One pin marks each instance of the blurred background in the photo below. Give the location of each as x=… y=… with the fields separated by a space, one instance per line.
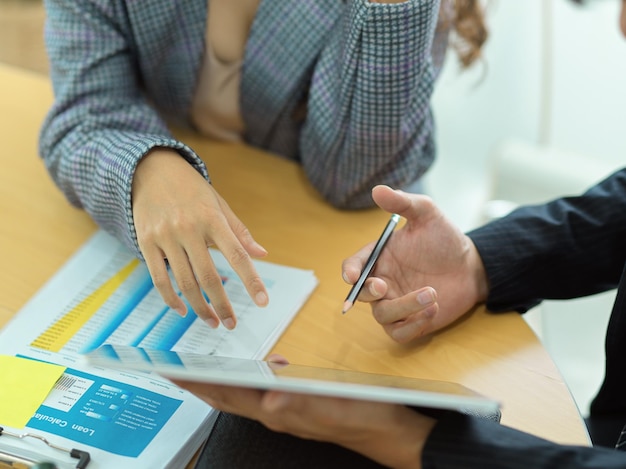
x=544 y=115
x=21 y=34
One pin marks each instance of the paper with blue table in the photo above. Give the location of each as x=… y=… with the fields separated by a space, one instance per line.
x=129 y=420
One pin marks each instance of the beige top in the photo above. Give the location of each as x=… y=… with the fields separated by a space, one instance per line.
x=215 y=107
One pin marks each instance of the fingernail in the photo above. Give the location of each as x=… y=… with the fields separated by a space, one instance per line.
x=429 y=312
x=261 y=247
x=345 y=277
x=229 y=323
x=425 y=297
x=181 y=310
x=212 y=322
x=373 y=290
x=261 y=299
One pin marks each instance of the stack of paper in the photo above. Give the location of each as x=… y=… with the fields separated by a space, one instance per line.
x=129 y=420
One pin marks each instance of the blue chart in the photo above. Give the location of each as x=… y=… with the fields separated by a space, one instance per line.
x=104 y=295
x=121 y=306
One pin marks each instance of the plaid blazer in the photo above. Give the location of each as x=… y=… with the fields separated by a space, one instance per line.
x=123 y=69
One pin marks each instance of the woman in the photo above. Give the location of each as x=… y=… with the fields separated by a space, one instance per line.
x=343 y=87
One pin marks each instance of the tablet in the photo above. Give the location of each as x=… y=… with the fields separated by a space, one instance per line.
x=261 y=374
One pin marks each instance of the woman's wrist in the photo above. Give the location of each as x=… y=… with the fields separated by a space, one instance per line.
x=159 y=157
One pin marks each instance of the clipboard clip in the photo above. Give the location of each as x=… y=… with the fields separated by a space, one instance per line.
x=82 y=456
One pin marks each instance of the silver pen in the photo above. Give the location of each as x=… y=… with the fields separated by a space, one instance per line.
x=371 y=261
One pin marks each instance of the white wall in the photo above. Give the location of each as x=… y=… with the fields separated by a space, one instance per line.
x=584 y=84
x=589 y=91
x=554 y=78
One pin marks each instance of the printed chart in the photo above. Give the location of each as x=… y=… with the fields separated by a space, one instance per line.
x=103 y=294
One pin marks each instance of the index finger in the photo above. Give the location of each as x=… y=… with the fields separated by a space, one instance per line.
x=352 y=266
x=242 y=264
x=234 y=241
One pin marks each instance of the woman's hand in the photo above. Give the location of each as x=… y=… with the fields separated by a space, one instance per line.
x=390 y=434
x=177 y=216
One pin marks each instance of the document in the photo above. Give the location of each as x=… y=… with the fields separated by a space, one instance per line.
x=104 y=295
x=25 y=384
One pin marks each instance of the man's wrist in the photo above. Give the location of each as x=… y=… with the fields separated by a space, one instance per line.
x=478 y=273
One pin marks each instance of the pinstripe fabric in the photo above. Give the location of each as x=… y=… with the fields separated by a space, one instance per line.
x=463 y=442
x=120 y=68
x=568 y=248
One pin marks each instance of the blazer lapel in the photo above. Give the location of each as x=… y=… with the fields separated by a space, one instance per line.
x=169 y=36
x=284 y=42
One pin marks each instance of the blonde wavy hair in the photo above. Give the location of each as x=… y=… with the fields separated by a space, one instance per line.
x=469 y=31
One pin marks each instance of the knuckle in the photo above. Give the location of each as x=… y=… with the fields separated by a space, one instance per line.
x=186 y=284
x=399 y=338
x=161 y=282
x=147 y=238
x=379 y=316
x=165 y=228
x=180 y=223
x=398 y=334
x=238 y=256
x=257 y=283
x=157 y=231
x=243 y=230
x=208 y=279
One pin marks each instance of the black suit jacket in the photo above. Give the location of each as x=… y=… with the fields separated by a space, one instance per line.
x=571 y=247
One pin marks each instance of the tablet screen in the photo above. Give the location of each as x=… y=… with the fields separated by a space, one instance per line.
x=294 y=378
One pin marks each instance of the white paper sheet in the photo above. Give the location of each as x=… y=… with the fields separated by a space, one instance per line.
x=129 y=420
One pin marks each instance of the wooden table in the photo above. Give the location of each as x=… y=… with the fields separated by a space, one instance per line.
x=496 y=355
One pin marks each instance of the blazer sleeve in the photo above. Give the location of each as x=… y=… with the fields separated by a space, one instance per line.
x=369 y=119
x=567 y=248
x=100 y=124
x=464 y=442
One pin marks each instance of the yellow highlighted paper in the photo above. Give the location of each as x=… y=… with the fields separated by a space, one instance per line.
x=25 y=385
x=57 y=335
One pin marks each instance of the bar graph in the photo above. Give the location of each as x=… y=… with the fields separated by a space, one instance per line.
x=126 y=309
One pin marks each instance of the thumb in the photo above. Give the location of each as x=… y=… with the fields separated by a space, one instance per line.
x=390 y=200
x=408 y=206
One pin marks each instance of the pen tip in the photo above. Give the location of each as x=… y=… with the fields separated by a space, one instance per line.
x=346 y=306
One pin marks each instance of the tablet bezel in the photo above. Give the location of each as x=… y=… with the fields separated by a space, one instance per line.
x=260 y=374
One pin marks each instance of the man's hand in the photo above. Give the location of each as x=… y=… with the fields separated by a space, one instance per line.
x=428 y=275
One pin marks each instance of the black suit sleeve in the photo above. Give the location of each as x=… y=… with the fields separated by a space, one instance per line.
x=464 y=442
x=570 y=247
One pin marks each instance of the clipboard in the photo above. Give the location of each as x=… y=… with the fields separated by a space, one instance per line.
x=21 y=458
